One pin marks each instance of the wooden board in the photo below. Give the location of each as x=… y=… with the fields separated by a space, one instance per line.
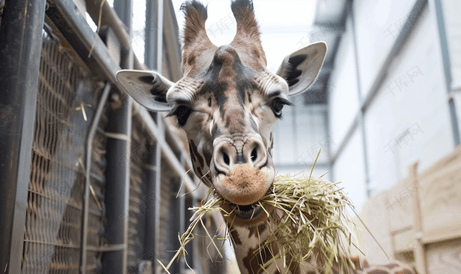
x=375 y=217
x=404 y=241
x=444 y=257
x=441 y=199
x=419 y=217
x=398 y=206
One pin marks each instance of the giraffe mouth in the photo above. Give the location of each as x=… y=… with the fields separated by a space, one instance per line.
x=246 y=215
x=247 y=212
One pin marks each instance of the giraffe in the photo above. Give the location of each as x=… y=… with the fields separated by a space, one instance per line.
x=227 y=102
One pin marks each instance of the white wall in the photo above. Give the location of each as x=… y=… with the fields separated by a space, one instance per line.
x=343 y=95
x=377 y=24
x=452 y=20
x=409 y=118
x=349 y=169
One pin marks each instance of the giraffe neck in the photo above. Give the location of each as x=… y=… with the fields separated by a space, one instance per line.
x=247 y=241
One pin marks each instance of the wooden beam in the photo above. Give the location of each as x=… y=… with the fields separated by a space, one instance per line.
x=419 y=251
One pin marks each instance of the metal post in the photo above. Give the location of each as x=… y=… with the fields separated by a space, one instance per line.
x=20 y=47
x=361 y=115
x=124 y=10
x=159 y=49
x=153 y=176
x=150 y=54
x=153 y=59
x=152 y=216
x=117 y=186
x=158 y=166
x=436 y=6
x=86 y=198
x=118 y=162
x=158 y=121
x=182 y=213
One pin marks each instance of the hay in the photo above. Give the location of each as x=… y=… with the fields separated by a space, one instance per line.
x=311 y=220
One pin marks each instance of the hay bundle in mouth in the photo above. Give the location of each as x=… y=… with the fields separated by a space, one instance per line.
x=309 y=219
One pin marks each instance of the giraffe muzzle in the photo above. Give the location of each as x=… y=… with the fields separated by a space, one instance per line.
x=230 y=154
x=243 y=171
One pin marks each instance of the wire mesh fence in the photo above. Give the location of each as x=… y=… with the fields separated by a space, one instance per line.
x=65 y=103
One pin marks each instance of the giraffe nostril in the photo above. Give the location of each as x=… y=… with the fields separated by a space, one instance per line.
x=226 y=158
x=254 y=154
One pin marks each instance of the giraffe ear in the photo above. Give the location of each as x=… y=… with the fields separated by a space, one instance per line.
x=148 y=88
x=301 y=68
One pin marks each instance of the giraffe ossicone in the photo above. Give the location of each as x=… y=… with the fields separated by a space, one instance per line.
x=227 y=102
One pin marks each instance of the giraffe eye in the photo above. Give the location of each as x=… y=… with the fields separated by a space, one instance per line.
x=277 y=106
x=182 y=113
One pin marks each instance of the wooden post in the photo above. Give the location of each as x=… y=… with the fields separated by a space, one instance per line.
x=419 y=251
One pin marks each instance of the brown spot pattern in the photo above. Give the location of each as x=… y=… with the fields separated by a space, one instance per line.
x=235 y=237
x=377 y=271
x=391 y=266
x=255 y=230
x=405 y=271
x=253 y=260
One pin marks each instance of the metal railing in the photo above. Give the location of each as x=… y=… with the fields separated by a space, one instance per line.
x=72 y=198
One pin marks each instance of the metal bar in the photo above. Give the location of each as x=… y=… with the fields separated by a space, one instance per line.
x=80 y=28
x=150 y=55
x=105 y=248
x=110 y=18
x=108 y=248
x=86 y=197
x=383 y=72
x=124 y=11
x=169 y=155
x=158 y=192
x=153 y=56
x=159 y=48
x=118 y=172
x=361 y=115
x=106 y=63
x=152 y=218
x=87 y=40
x=20 y=47
x=437 y=7
x=182 y=216
x=170 y=27
x=176 y=146
x=117 y=187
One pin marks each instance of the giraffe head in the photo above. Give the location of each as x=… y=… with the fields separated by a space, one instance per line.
x=227 y=101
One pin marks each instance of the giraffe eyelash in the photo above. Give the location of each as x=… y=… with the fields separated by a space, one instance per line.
x=277 y=105
x=182 y=113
